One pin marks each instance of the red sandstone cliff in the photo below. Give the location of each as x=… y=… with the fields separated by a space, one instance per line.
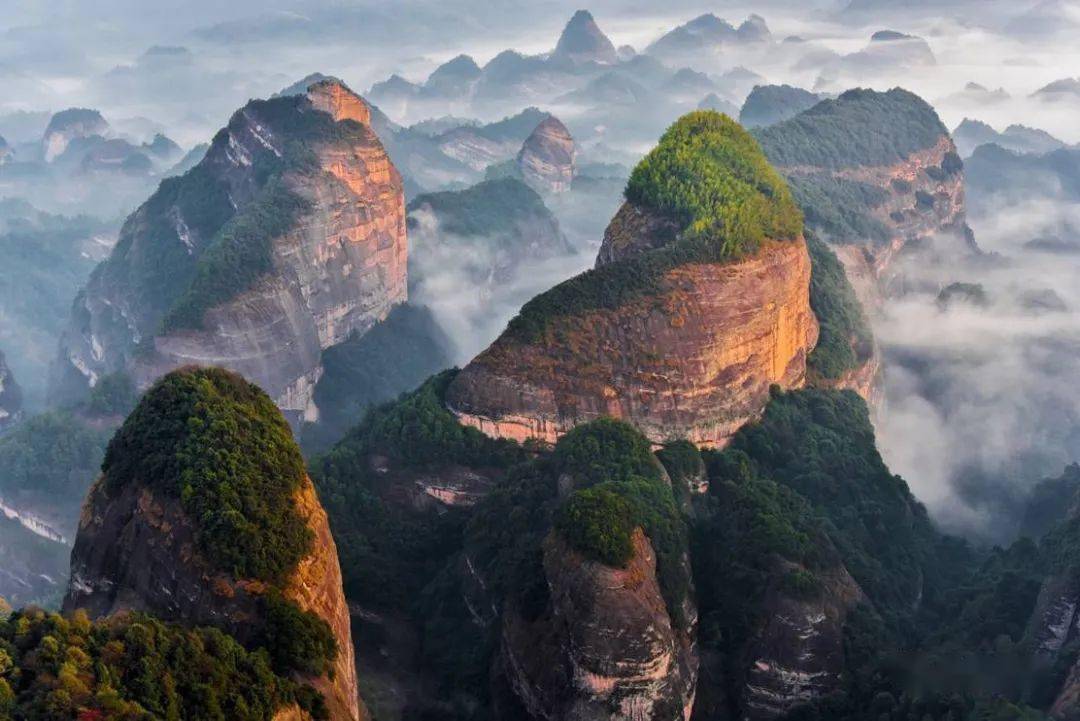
x=547 y=158
x=605 y=648
x=338 y=268
x=694 y=360
x=136 y=550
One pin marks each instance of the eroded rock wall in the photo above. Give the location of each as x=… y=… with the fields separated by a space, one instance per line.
x=605 y=648
x=693 y=361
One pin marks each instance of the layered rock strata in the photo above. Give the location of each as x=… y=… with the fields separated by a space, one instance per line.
x=546 y=160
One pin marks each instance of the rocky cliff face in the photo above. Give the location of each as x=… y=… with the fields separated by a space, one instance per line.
x=1054 y=625
x=10 y=396
x=67 y=125
x=686 y=320
x=798 y=656
x=920 y=202
x=694 y=361
x=136 y=550
x=605 y=648
x=335 y=266
x=546 y=159
x=905 y=186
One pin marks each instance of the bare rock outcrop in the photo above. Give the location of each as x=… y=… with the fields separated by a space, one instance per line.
x=331 y=263
x=694 y=360
x=605 y=648
x=546 y=160
x=138 y=549
x=67 y=125
x=798 y=655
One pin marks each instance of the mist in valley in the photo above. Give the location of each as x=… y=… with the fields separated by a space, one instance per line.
x=980 y=396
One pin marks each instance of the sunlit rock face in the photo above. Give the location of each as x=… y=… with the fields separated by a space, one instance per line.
x=605 y=648
x=693 y=360
x=136 y=550
x=546 y=160
x=334 y=265
x=139 y=547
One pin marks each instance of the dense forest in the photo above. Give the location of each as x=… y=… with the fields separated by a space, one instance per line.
x=135 y=668
x=859 y=128
x=844 y=338
x=395 y=356
x=490 y=208
x=795 y=502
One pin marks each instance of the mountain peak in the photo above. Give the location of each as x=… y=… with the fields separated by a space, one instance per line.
x=547 y=158
x=332 y=96
x=582 y=40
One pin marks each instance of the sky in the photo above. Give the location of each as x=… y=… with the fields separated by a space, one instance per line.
x=61 y=54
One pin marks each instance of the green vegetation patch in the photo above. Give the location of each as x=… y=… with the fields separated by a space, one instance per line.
x=821 y=445
x=240 y=254
x=841 y=209
x=605 y=450
x=489 y=208
x=599 y=523
x=859 y=128
x=395 y=356
x=710 y=176
x=221 y=446
x=417 y=430
x=135 y=667
x=844 y=341
x=610 y=459
x=296 y=640
x=388 y=553
x=113 y=395
x=50 y=459
x=684 y=465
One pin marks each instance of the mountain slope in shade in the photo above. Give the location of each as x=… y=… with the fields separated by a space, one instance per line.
x=770 y=104
x=873 y=172
x=10 y=396
x=582 y=40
